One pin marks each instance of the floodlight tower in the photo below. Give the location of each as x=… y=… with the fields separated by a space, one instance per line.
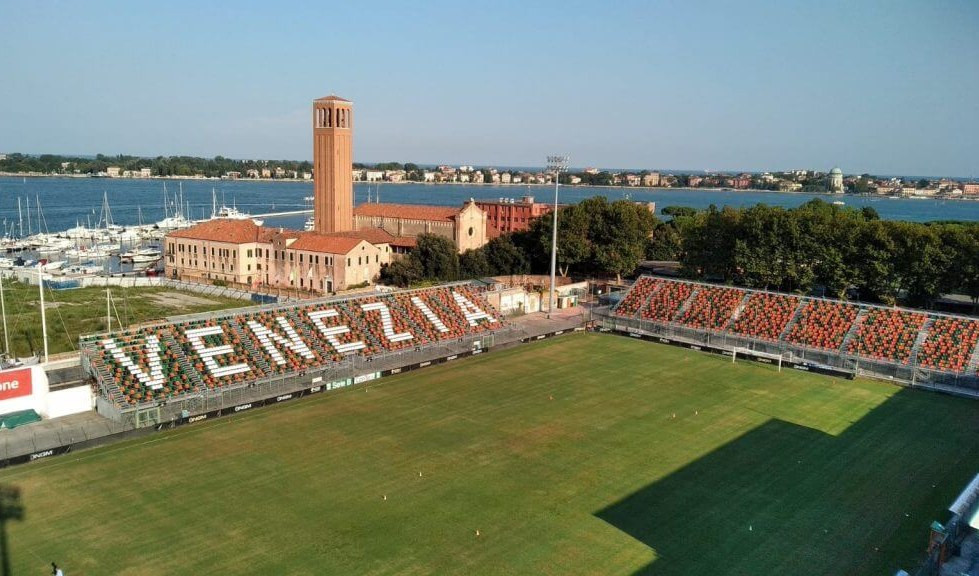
x=556 y=164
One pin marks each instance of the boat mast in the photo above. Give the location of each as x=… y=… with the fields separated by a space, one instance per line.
x=44 y=318
x=28 y=215
x=3 y=311
x=20 y=218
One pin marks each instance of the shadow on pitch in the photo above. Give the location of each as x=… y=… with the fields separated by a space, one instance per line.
x=785 y=498
x=11 y=508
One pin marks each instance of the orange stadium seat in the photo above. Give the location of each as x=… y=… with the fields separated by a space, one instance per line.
x=712 y=307
x=823 y=324
x=765 y=315
x=887 y=334
x=949 y=345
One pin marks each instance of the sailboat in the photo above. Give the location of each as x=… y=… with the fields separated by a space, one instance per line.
x=175 y=220
x=230 y=212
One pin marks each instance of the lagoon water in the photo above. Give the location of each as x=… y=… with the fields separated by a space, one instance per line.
x=67 y=201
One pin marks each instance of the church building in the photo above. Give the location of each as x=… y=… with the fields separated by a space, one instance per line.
x=348 y=245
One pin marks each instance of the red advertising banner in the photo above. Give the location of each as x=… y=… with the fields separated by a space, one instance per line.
x=15 y=383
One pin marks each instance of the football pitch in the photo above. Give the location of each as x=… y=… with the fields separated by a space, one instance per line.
x=585 y=454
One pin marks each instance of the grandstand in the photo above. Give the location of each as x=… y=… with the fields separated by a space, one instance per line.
x=182 y=363
x=835 y=336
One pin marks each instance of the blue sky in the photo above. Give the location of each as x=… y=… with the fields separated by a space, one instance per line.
x=889 y=87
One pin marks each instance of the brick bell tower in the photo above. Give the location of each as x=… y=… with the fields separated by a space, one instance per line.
x=333 y=203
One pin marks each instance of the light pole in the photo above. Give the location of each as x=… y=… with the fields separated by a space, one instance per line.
x=556 y=164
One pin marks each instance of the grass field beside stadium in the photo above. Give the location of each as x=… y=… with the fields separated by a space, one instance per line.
x=564 y=454
x=71 y=313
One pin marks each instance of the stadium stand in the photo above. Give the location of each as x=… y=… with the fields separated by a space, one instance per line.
x=666 y=301
x=164 y=361
x=949 y=344
x=823 y=329
x=887 y=334
x=765 y=315
x=712 y=307
x=822 y=324
x=637 y=296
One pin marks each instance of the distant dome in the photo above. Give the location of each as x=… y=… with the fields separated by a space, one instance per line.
x=836 y=171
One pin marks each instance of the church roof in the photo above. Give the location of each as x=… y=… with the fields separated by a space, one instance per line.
x=408 y=211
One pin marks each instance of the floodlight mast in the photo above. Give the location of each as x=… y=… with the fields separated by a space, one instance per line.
x=557 y=165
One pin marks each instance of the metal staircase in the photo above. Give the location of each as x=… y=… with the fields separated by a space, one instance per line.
x=686 y=305
x=258 y=356
x=793 y=320
x=185 y=365
x=737 y=313
x=852 y=332
x=974 y=362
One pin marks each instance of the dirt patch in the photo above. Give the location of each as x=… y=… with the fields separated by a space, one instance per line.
x=179 y=300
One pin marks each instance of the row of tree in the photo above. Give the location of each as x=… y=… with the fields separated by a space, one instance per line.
x=821 y=246
x=159 y=166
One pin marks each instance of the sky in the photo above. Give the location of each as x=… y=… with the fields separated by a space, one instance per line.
x=885 y=87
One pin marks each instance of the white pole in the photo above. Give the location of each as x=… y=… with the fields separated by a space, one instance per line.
x=557 y=163
x=3 y=310
x=44 y=318
x=108 y=309
x=28 y=215
x=20 y=218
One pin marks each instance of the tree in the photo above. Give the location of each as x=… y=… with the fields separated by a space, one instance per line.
x=666 y=243
x=503 y=257
x=437 y=256
x=402 y=272
x=618 y=234
x=678 y=211
x=473 y=264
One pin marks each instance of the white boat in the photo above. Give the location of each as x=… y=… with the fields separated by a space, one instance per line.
x=52 y=245
x=174 y=218
x=52 y=266
x=86 y=269
x=839 y=203
x=6 y=263
x=140 y=255
x=310 y=223
x=230 y=212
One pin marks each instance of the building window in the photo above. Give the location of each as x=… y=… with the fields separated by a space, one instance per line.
x=300 y=257
x=348 y=261
x=249 y=253
x=291 y=254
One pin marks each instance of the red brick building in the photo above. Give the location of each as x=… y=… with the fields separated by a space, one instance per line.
x=512 y=215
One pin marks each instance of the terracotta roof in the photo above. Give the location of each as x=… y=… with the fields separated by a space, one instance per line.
x=331 y=97
x=372 y=235
x=267 y=235
x=221 y=230
x=408 y=211
x=405 y=241
x=328 y=243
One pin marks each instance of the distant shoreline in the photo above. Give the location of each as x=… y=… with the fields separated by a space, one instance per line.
x=489 y=185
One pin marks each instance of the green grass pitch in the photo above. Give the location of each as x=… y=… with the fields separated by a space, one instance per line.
x=565 y=456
